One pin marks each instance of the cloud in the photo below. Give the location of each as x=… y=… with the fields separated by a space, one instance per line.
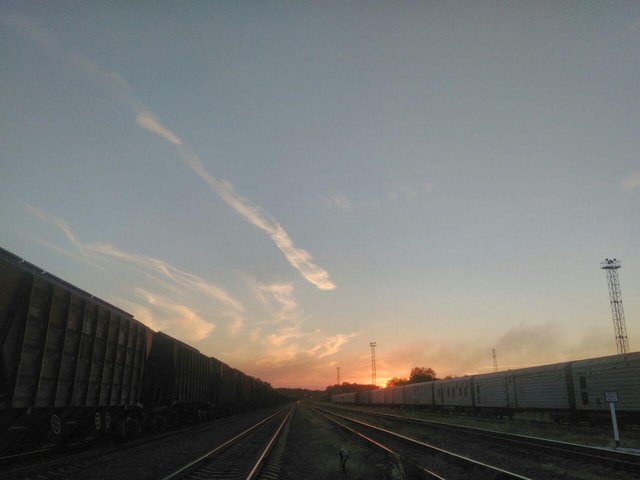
x=167 y=271
x=279 y=298
x=58 y=222
x=145 y=118
x=631 y=182
x=338 y=200
x=331 y=345
x=171 y=308
x=180 y=321
x=149 y=122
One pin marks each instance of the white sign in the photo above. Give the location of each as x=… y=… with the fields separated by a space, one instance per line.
x=611 y=396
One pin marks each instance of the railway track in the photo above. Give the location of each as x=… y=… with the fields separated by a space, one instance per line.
x=612 y=463
x=244 y=456
x=431 y=461
x=62 y=463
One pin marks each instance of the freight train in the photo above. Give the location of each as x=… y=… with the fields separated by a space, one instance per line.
x=72 y=364
x=569 y=391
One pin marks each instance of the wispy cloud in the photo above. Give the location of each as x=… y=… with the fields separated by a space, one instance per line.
x=169 y=310
x=167 y=271
x=632 y=181
x=149 y=122
x=331 y=345
x=279 y=299
x=338 y=200
x=281 y=340
x=299 y=258
x=409 y=191
x=178 y=320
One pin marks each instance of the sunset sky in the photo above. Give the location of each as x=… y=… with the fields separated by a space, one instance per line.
x=280 y=183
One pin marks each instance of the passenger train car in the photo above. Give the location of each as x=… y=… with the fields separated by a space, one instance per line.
x=73 y=364
x=569 y=391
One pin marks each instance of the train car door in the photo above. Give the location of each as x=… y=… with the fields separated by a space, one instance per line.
x=511 y=392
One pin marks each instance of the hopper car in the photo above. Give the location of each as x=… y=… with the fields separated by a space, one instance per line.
x=569 y=391
x=72 y=364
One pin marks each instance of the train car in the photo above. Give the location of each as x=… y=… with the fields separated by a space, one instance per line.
x=363 y=397
x=73 y=364
x=344 y=398
x=540 y=388
x=69 y=361
x=567 y=391
x=179 y=385
x=397 y=395
x=490 y=392
x=617 y=375
x=454 y=393
x=419 y=393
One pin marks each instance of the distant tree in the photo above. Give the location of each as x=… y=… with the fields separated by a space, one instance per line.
x=422 y=374
x=395 y=382
x=449 y=377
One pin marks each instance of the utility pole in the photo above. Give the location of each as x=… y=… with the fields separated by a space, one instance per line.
x=611 y=266
x=338 y=382
x=495 y=361
x=373 y=362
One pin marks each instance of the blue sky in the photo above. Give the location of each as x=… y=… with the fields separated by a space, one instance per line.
x=279 y=184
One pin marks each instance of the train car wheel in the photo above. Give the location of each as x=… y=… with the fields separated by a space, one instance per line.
x=97 y=421
x=56 y=424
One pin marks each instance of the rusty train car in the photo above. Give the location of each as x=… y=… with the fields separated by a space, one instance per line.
x=72 y=364
x=569 y=391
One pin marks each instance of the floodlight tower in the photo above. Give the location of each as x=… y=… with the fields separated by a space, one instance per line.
x=373 y=362
x=611 y=266
x=495 y=360
x=338 y=382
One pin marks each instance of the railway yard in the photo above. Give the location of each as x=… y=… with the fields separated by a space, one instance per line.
x=317 y=440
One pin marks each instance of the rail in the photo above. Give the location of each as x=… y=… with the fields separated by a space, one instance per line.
x=451 y=457
x=207 y=462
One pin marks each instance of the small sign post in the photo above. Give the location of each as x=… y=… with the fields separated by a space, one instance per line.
x=612 y=398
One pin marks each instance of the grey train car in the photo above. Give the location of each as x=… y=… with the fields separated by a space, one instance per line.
x=67 y=358
x=181 y=384
x=568 y=391
x=72 y=364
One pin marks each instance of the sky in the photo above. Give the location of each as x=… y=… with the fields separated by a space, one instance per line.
x=280 y=183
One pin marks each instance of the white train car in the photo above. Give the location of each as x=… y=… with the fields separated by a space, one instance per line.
x=616 y=376
x=454 y=392
x=397 y=395
x=578 y=390
x=419 y=393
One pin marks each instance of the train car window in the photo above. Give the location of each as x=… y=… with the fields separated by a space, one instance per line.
x=478 y=393
x=583 y=382
x=466 y=392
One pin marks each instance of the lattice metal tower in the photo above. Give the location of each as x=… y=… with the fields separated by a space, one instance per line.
x=611 y=266
x=338 y=369
x=373 y=362
x=495 y=360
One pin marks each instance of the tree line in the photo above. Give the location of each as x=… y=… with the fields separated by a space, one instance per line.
x=417 y=375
